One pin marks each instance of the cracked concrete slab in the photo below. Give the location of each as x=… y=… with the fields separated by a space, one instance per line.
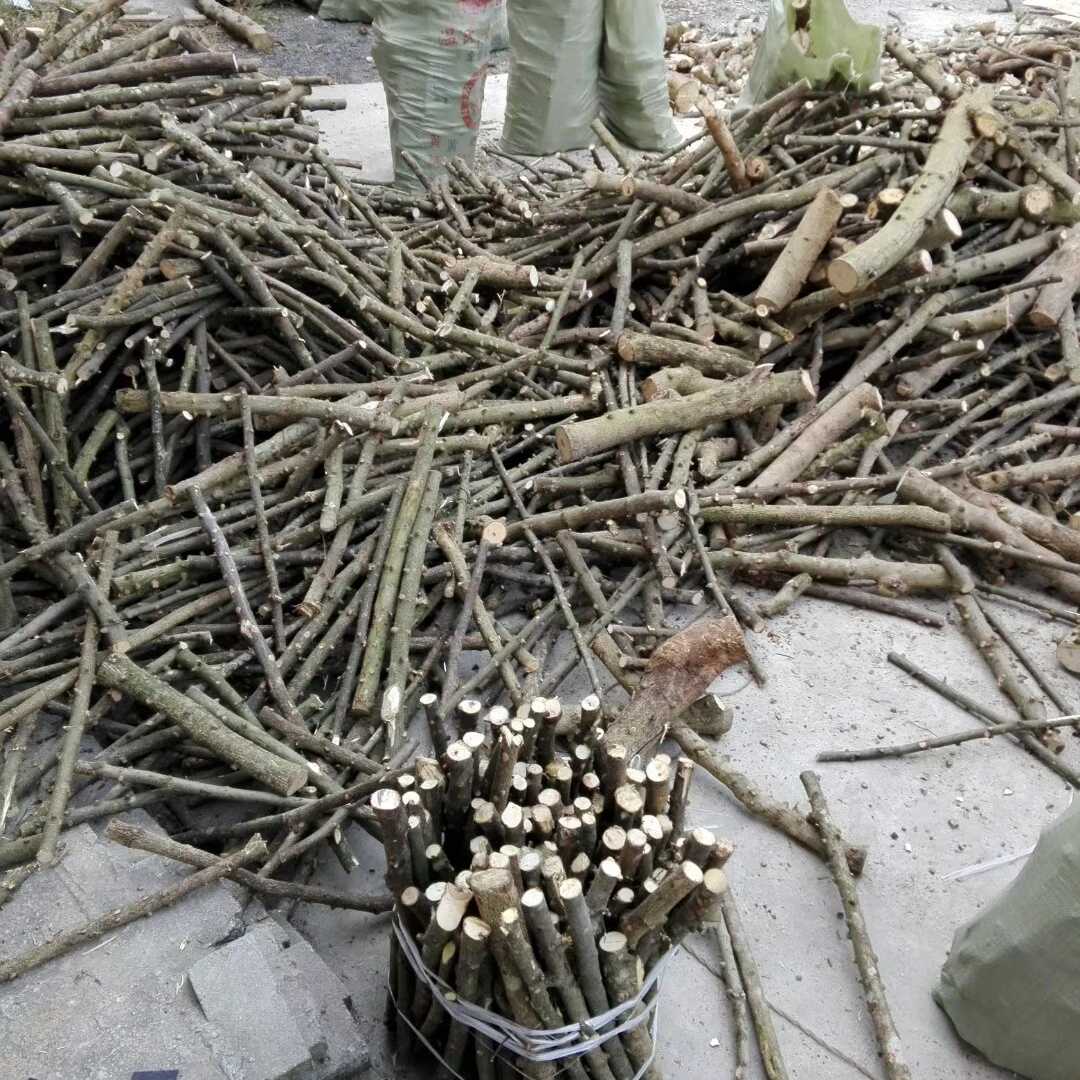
x=128 y=1002
x=238 y=994
x=113 y=1007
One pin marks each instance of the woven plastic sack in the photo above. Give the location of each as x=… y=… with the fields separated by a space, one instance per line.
x=633 y=75
x=432 y=56
x=348 y=10
x=1011 y=984
x=552 y=95
x=833 y=51
x=500 y=38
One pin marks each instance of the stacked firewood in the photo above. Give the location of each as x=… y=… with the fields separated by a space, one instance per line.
x=704 y=71
x=541 y=887
x=284 y=451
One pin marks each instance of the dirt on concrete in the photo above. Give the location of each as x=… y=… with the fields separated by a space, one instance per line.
x=308 y=45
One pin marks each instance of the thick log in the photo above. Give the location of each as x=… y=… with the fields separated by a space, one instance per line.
x=146 y=71
x=655 y=350
x=237 y=24
x=897 y=238
x=123 y=674
x=788 y=274
x=826 y=430
x=739 y=398
x=833 y=517
x=894 y=577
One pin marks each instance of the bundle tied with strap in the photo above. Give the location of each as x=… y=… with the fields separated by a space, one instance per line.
x=532 y=1044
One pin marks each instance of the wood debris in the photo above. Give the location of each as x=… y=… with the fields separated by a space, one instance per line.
x=289 y=458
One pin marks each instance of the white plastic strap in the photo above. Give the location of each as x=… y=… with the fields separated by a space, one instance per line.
x=496 y=1050
x=992 y=864
x=531 y=1044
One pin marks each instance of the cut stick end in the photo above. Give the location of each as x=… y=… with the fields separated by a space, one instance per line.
x=494 y=533
x=843 y=276
x=294 y=780
x=385 y=799
x=564 y=444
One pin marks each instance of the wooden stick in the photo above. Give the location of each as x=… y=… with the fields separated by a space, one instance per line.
x=991 y=716
x=123 y=674
x=888 y=1038
x=779 y=816
x=64 y=942
x=768 y=1044
x=899 y=235
x=586 y=437
x=370 y=671
x=143 y=840
x=72 y=740
x=873 y=753
x=792 y=267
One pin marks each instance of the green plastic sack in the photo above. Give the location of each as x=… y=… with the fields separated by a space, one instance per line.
x=500 y=37
x=842 y=53
x=1011 y=984
x=552 y=95
x=348 y=10
x=633 y=75
x=432 y=56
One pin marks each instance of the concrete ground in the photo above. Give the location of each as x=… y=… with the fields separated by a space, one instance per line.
x=924 y=818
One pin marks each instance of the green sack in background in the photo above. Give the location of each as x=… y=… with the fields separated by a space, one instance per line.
x=348 y=10
x=432 y=57
x=1011 y=984
x=830 y=49
x=500 y=37
x=552 y=95
x=633 y=75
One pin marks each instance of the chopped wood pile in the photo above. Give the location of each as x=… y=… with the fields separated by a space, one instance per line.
x=283 y=451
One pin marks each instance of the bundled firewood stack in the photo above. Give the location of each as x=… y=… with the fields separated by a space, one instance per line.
x=541 y=887
x=283 y=451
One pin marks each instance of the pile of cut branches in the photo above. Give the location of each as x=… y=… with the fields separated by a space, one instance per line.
x=284 y=451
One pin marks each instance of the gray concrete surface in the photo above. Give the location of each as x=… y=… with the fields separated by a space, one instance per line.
x=178 y=990
x=236 y=991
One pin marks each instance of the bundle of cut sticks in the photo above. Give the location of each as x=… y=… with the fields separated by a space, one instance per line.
x=541 y=887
